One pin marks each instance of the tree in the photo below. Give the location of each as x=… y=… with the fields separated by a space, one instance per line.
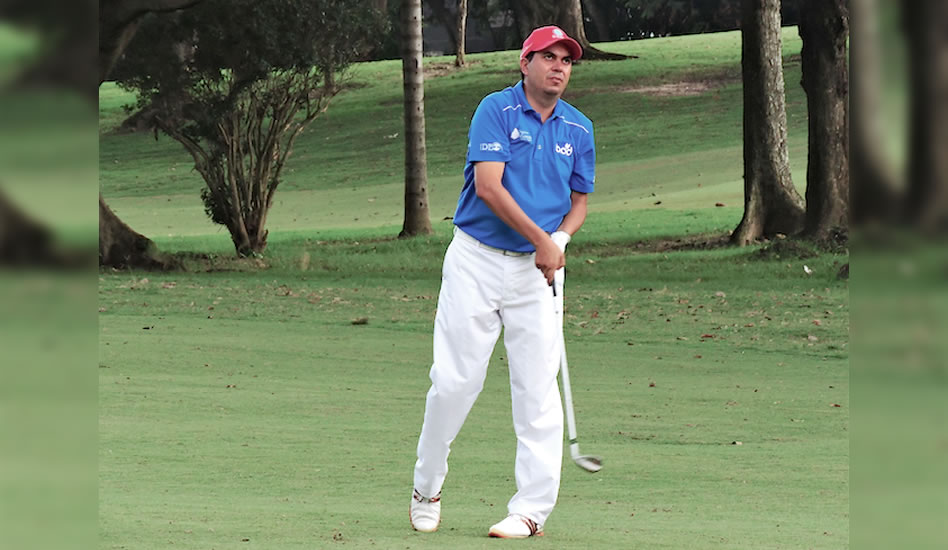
x=875 y=195
x=119 y=245
x=417 y=220
x=927 y=197
x=66 y=59
x=567 y=15
x=771 y=204
x=61 y=62
x=461 y=34
x=236 y=83
x=824 y=28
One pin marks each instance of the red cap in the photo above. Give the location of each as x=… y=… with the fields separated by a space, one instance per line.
x=544 y=37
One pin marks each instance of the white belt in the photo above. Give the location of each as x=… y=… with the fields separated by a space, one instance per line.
x=460 y=233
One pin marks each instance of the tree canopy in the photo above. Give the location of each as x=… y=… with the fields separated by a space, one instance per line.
x=235 y=82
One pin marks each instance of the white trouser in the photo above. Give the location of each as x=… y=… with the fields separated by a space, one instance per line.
x=483 y=290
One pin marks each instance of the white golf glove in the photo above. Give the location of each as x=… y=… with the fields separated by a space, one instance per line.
x=561 y=238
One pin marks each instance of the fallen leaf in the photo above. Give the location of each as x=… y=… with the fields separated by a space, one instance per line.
x=361 y=321
x=719 y=204
x=817 y=322
x=737 y=443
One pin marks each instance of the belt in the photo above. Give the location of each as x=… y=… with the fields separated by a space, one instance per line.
x=459 y=233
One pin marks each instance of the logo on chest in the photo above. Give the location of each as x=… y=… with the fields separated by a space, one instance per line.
x=522 y=135
x=566 y=149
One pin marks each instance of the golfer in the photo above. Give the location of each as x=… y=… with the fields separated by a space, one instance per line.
x=530 y=165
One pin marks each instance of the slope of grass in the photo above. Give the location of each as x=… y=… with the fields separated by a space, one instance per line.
x=351 y=146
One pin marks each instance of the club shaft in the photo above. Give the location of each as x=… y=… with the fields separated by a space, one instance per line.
x=558 y=287
x=568 y=399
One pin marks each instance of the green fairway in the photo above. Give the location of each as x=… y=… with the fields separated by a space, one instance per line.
x=276 y=403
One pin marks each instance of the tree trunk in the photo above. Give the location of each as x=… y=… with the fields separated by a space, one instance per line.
x=599 y=23
x=448 y=19
x=69 y=61
x=771 y=204
x=874 y=193
x=927 y=199
x=122 y=247
x=417 y=220
x=25 y=242
x=824 y=28
x=571 y=20
x=461 y=39
x=567 y=15
x=119 y=245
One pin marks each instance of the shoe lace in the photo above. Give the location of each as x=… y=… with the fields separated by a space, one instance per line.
x=531 y=525
x=417 y=496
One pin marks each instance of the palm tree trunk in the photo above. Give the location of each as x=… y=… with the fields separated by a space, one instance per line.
x=927 y=199
x=417 y=221
x=461 y=39
x=824 y=28
x=771 y=203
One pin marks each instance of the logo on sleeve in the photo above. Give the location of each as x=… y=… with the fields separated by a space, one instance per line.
x=566 y=149
x=491 y=146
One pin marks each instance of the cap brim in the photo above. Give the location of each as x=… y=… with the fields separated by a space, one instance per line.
x=575 y=50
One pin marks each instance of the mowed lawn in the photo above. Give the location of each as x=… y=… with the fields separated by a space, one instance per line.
x=276 y=403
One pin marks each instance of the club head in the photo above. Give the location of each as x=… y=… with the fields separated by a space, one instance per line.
x=589 y=463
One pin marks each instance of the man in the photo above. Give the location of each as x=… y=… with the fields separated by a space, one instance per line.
x=530 y=164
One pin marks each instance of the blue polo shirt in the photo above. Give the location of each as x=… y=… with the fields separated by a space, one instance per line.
x=545 y=161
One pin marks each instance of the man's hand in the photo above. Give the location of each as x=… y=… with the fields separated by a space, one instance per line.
x=561 y=238
x=549 y=258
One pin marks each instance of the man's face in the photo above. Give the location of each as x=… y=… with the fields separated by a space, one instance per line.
x=548 y=71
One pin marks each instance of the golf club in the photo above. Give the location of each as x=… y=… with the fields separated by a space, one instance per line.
x=589 y=463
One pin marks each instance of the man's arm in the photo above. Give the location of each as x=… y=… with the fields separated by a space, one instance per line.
x=577 y=213
x=488 y=182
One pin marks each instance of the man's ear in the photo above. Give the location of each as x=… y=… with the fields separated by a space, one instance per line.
x=523 y=65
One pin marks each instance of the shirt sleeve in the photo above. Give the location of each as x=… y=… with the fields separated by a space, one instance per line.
x=488 y=139
x=583 y=178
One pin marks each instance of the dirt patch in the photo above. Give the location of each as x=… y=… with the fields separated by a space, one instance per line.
x=703 y=241
x=676 y=89
x=836 y=242
x=434 y=70
x=200 y=262
x=689 y=85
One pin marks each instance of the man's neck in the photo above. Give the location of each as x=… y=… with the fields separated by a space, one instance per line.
x=541 y=103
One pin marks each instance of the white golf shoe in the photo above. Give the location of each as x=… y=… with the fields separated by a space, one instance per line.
x=516 y=526
x=425 y=513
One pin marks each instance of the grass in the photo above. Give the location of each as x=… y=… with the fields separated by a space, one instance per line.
x=276 y=403
x=248 y=405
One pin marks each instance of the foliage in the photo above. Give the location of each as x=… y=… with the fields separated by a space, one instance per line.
x=633 y=19
x=236 y=83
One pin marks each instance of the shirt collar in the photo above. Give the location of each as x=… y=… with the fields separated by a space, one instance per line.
x=522 y=98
